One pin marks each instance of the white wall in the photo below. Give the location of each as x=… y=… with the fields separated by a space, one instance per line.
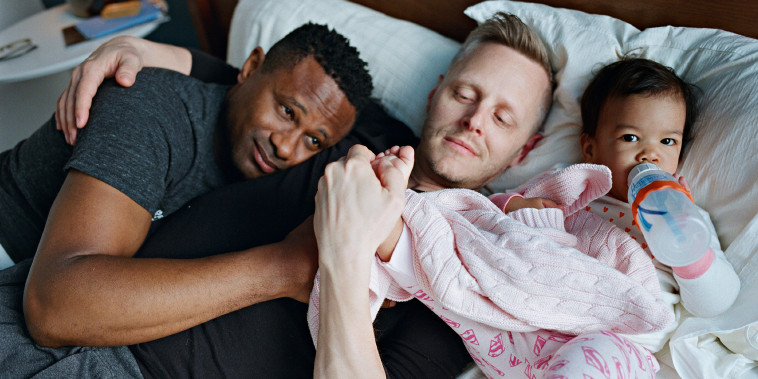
x=14 y=10
x=25 y=105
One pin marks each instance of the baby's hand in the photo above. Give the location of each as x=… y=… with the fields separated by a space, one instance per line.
x=394 y=150
x=516 y=203
x=388 y=160
x=683 y=182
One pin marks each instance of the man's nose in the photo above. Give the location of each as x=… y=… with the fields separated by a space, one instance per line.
x=473 y=119
x=284 y=143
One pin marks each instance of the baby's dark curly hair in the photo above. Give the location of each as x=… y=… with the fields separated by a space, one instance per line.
x=332 y=51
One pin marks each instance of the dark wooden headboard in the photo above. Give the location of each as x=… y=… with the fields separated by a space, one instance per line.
x=212 y=18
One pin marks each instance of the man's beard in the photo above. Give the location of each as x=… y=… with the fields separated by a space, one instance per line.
x=462 y=180
x=449 y=180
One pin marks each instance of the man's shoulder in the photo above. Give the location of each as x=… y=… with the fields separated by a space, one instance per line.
x=152 y=75
x=158 y=97
x=144 y=140
x=156 y=86
x=162 y=81
x=162 y=108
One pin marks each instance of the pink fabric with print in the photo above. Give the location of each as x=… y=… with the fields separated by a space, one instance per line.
x=487 y=273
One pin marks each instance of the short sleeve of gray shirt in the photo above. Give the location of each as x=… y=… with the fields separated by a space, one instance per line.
x=154 y=140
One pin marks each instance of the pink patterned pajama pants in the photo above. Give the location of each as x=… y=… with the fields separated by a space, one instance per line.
x=550 y=355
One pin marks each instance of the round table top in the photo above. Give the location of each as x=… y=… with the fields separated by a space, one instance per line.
x=52 y=55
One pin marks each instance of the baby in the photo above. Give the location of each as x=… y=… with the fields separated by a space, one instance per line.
x=638 y=111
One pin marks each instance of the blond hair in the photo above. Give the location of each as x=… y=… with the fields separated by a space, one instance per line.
x=508 y=30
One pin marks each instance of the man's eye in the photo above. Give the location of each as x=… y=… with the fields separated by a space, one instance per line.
x=288 y=112
x=668 y=141
x=499 y=120
x=503 y=119
x=463 y=96
x=314 y=142
x=629 y=137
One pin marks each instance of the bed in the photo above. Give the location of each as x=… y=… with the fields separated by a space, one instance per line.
x=713 y=45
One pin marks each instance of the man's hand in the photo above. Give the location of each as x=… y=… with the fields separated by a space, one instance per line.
x=516 y=203
x=118 y=57
x=683 y=182
x=359 y=202
x=122 y=57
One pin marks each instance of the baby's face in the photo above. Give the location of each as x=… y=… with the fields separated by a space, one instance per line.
x=633 y=130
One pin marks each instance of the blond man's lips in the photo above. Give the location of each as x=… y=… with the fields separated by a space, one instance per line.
x=461 y=145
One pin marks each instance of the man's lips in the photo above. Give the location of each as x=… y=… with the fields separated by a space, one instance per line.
x=259 y=155
x=461 y=145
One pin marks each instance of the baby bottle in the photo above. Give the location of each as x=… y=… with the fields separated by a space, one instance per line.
x=667 y=216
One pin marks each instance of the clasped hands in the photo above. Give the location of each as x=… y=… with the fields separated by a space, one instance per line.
x=359 y=204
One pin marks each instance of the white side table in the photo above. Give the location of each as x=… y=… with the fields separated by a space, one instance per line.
x=52 y=55
x=30 y=84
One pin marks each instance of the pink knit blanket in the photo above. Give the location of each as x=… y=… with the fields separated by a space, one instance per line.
x=565 y=269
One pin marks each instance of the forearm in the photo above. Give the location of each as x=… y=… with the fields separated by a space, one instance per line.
x=210 y=69
x=501 y=200
x=388 y=246
x=358 y=205
x=166 y=56
x=106 y=300
x=346 y=344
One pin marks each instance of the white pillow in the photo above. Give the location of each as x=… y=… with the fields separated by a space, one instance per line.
x=721 y=164
x=406 y=59
x=403 y=58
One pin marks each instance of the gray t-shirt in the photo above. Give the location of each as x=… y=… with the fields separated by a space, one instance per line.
x=153 y=142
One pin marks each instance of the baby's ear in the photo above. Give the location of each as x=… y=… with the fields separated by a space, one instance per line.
x=528 y=146
x=587 y=145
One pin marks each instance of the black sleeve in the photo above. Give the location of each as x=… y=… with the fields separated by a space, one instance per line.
x=210 y=69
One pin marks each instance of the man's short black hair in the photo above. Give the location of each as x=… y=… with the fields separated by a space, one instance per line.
x=332 y=51
x=636 y=76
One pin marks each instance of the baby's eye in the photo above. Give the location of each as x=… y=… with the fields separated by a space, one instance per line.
x=668 y=141
x=629 y=138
